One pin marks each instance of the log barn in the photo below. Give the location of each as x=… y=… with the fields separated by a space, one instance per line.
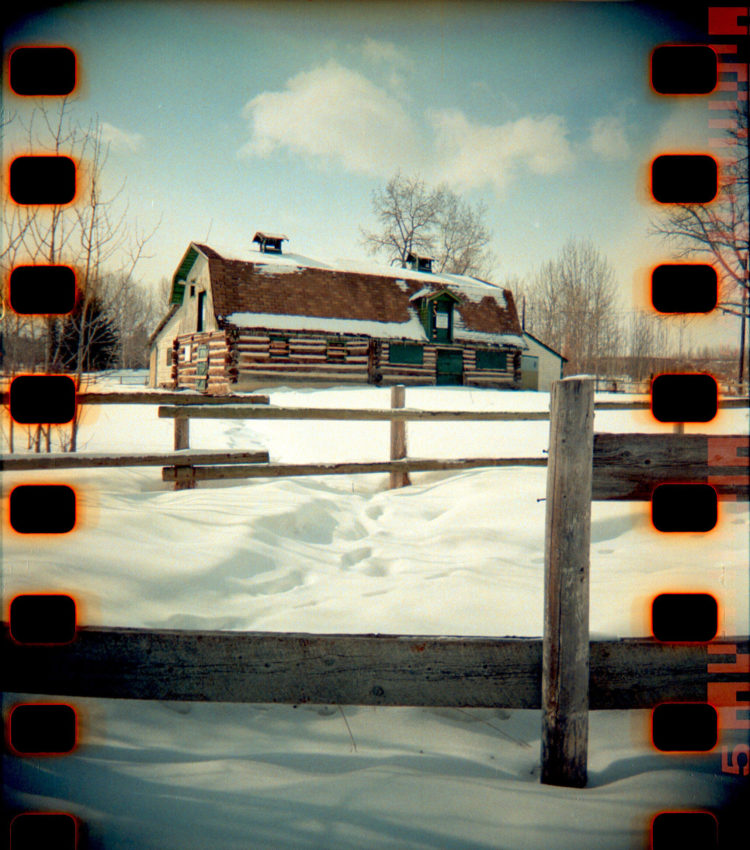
x=278 y=318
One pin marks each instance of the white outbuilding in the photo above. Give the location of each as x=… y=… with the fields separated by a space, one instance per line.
x=540 y=365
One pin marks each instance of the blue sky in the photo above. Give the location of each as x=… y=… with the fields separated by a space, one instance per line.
x=228 y=118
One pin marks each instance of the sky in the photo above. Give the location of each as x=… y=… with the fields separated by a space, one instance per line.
x=227 y=118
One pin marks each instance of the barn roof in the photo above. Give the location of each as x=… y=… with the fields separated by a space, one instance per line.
x=287 y=292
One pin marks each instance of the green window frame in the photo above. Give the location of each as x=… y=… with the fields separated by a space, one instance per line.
x=492 y=360
x=405 y=354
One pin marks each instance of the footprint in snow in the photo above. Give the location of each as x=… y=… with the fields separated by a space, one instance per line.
x=349 y=559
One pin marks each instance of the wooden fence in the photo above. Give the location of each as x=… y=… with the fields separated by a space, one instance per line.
x=564 y=674
x=352 y=669
x=182 y=462
x=625 y=466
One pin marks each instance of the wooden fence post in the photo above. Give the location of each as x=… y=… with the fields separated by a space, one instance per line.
x=398 y=438
x=565 y=646
x=181 y=433
x=184 y=475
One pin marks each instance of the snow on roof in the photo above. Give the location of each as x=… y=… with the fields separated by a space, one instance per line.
x=462 y=332
x=259 y=258
x=473 y=288
x=470 y=287
x=264 y=234
x=411 y=329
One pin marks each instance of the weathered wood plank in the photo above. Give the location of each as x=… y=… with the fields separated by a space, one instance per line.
x=181 y=433
x=163 y=397
x=73 y=460
x=288 y=470
x=228 y=411
x=625 y=466
x=567 y=544
x=630 y=466
x=398 y=438
x=344 y=669
x=724 y=403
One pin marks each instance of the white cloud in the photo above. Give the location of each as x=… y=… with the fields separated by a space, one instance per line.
x=384 y=51
x=120 y=140
x=607 y=138
x=334 y=113
x=471 y=155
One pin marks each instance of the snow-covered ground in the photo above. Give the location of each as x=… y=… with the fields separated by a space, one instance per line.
x=456 y=553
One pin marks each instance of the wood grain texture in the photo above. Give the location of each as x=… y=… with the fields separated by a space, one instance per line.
x=367 y=669
x=227 y=411
x=630 y=466
x=398 y=478
x=73 y=460
x=181 y=434
x=163 y=397
x=567 y=543
x=290 y=470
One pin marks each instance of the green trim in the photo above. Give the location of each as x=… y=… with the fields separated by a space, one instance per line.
x=442 y=295
x=405 y=354
x=488 y=359
x=180 y=276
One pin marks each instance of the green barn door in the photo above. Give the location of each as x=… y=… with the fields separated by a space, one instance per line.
x=450 y=367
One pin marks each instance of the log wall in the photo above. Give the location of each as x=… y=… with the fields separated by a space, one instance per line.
x=254 y=357
x=203 y=362
x=303 y=357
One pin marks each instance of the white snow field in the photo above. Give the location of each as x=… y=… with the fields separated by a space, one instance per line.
x=455 y=554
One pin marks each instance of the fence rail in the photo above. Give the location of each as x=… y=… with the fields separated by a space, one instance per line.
x=78 y=460
x=406 y=414
x=625 y=466
x=158 y=397
x=352 y=669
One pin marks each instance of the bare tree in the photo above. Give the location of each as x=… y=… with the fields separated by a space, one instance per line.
x=718 y=231
x=461 y=238
x=135 y=316
x=417 y=219
x=572 y=306
x=90 y=235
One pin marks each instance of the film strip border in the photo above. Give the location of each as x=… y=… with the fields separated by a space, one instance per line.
x=728 y=29
x=48 y=729
x=694 y=70
x=43 y=729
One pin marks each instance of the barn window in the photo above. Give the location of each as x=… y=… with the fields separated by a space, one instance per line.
x=169 y=357
x=201 y=324
x=405 y=353
x=492 y=360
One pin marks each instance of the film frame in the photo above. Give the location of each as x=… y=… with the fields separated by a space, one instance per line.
x=724 y=25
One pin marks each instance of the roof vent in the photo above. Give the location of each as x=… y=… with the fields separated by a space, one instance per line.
x=419 y=264
x=270 y=243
